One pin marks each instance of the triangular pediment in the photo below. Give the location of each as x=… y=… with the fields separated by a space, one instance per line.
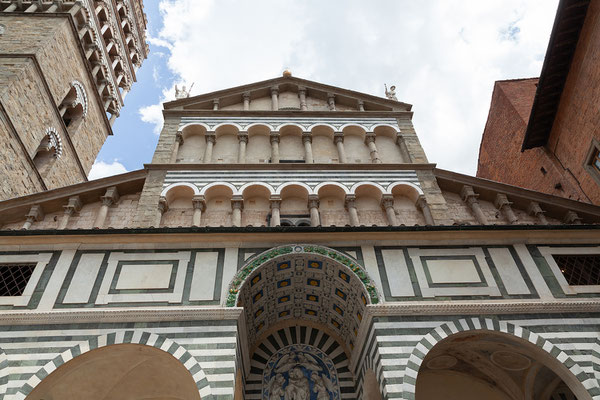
x=288 y=88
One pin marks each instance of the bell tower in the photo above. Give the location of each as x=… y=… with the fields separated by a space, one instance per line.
x=65 y=68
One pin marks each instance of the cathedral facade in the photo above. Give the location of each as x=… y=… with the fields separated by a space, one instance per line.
x=291 y=240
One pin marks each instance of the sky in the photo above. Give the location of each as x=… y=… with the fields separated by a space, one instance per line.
x=443 y=57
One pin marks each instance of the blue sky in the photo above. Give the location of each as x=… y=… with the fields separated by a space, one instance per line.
x=442 y=56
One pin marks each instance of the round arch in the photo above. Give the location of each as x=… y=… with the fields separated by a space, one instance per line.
x=279 y=127
x=321 y=124
x=353 y=126
x=257 y=124
x=202 y=124
x=366 y=183
x=413 y=191
x=124 y=337
x=250 y=184
x=304 y=185
x=221 y=125
x=495 y=326
x=179 y=184
x=395 y=128
x=329 y=183
x=211 y=185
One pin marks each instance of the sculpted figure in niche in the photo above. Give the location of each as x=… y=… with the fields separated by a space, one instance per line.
x=390 y=94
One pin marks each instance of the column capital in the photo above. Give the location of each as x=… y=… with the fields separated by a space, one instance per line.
x=163 y=205
x=237 y=202
x=246 y=96
x=275 y=201
x=36 y=213
x=243 y=136
x=421 y=201
x=274 y=136
x=301 y=89
x=179 y=137
x=501 y=201
x=571 y=217
x=306 y=137
x=313 y=201
x=331 y=101
x=199 y=202
x=210 y=137
x=387 y=201
x=73 y=206
x=370 y=137
x=467 y=194
x=350 y=201
x=110 y=197
x=338 y=137
x=216 y=102
x=535 y=209
x=274 y=90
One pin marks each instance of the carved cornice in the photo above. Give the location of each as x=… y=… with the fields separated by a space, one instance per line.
x=117 y=315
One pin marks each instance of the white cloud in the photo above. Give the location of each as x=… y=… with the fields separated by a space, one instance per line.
x=100 y=169
x=442 y=56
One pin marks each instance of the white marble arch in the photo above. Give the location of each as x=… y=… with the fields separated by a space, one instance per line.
x=220 y=183
x=295 y=183
x=179 y=184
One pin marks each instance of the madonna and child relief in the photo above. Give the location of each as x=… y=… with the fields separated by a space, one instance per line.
x=300 y=372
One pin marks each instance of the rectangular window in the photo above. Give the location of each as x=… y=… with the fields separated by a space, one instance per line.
x=579 y=269
x=14 y=278
x=592 y=161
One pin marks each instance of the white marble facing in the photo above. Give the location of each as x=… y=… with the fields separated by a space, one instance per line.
x=453 y=271
x=229 y=270
x=533 y=271
x=56 y=279
x=371 y=267
x=397 y=272
x=144 y=276
x=182 y=258
x=509 y=271
x=205 y=274
x=82 y=283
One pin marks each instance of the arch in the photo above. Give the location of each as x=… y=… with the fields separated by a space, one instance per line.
x=284 y=185
x=381 y=125
x=255 y=124
x=202 y=124
x=241 y=190
x=353 y=267
x=124 y=337
x=321 y=124
x=212 y=185
x=410 y=188
x=238 y=127
x=286 y=124
x=352 y=125
x=330 y=183
x=366 y=183
x=492 y=325
x=80 y=96
x=174 y=185
x=49 y=150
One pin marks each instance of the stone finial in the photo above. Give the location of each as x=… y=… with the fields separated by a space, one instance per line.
x=571 y=217
x=110 y=197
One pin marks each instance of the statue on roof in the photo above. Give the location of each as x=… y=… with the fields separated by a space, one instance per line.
x=182 y=93
x=390 y=94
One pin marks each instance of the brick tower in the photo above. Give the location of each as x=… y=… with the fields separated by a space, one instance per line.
x=65 y=68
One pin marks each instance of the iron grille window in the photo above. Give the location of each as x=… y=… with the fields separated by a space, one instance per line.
x=578 y=269
x=14 y=278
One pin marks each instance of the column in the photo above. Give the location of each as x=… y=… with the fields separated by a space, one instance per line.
x=211 y=139
x=302 y=96
x=246 y=98
x=237 y=205
x=387 y=203
x=73 y=206
x=535 y=210
x=338 y=139
x=307 y=140
x=331 y=101
x=178 y=142
x=403 y=148
x=275 y=98
x=503 y=205
x=370 y=142
x=199 y=203
x=243 y=141
x=361 y=105
x=275 y=215
x=163 y=206
x=216 y=105
x=313 y=206
x=469 y=197
x=110 y=197
x=424 y=206
x=350 y=204
x=274 y=147
x=35 y=214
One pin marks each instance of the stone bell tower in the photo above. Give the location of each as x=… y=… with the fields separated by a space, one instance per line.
x=65 y=68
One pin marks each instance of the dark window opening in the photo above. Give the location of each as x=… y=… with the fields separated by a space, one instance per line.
x=543 y=170
x=291 y=161
x=579 y=269
x=14 y=278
